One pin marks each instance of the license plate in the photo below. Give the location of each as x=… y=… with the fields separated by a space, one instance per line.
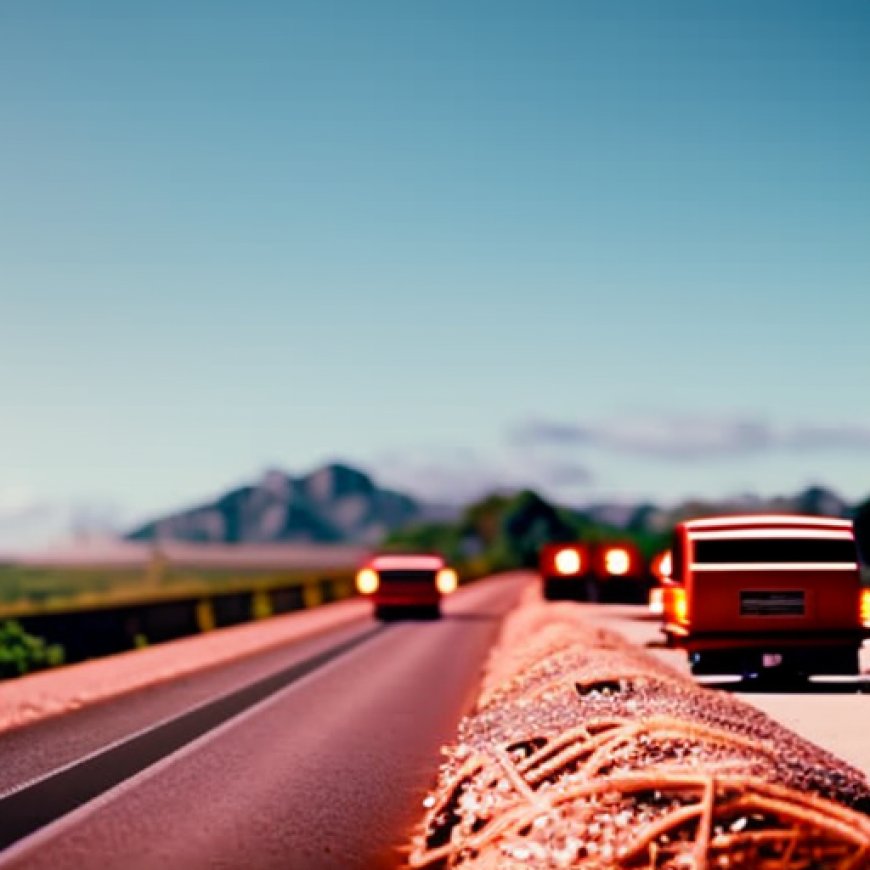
x=755 y=602
x=771 y=660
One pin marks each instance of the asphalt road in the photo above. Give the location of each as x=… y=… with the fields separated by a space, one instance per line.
x=834 y=716
x=328 y=771
x=313 y=754
x=34 y=751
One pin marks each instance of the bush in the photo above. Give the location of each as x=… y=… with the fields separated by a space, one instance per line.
x=21 y=653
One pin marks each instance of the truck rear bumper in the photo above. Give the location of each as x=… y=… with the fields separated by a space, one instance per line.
x=786 y=640
x=777 y=661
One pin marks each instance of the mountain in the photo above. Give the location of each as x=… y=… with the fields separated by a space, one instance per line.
x=334 y=504
x=341 y=504
x=813 y=501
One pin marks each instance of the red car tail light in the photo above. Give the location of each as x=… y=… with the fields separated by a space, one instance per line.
x=446 y=581
x=367 y=581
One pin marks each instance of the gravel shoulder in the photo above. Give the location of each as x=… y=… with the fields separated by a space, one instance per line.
x=834 y=717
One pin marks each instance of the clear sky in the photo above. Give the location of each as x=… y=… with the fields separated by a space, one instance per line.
x=613 y=249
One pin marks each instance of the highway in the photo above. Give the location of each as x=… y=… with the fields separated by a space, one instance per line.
x=314 y=753
x=317 y=754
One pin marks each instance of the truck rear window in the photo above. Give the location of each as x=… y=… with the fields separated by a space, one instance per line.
x=775 y=550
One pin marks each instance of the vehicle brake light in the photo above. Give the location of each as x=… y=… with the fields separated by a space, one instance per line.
x=681 y=606
x=663 y=565
x=367 y=581
x=617 y=562
x=865 y=608
x=446 y=581
x=567 y=562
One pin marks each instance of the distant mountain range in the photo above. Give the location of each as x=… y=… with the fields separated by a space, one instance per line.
x=334 y=504
x=341 y=504
x=814 y=501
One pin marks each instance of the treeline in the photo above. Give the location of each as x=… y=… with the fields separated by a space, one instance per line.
x=502 y=532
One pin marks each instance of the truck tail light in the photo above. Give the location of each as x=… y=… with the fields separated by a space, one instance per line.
x=662 y=565
x=865 y=608
x=657 y=600
x=681 y=606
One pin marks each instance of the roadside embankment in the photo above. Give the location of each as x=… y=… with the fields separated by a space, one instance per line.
x=585 y=750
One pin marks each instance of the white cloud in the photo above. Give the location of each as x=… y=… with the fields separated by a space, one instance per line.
x=692 y=437
x=29 y=521
x=460 y=475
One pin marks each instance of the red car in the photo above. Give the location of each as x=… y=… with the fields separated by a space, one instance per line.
x=778 y=595
x=613 y=571
x=402 y=585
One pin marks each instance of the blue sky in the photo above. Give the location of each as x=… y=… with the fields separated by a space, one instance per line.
x=425 y=236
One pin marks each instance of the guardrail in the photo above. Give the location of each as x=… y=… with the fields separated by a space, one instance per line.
x=168 y=602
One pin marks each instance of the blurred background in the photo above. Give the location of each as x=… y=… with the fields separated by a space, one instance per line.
x=425 y=275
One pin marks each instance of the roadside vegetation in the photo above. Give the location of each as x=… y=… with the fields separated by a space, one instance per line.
x=21 y=653
x=29 y=590
x=502 y=532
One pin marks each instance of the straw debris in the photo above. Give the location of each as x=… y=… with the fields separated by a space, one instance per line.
x=585 y=751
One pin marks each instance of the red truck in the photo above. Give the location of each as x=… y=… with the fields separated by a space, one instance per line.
x=766 y=595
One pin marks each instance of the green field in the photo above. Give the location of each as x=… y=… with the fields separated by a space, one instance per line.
x=28 y=590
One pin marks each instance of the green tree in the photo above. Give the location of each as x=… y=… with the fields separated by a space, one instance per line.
x=482 y=520
x=440 y=538
x=506 y=531
x=21 y=652
x=527 y=523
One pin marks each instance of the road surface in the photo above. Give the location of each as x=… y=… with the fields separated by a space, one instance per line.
x=315 y=753
x=327 y=771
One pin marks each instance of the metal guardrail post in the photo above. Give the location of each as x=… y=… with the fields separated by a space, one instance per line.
x=261 y=604
x=342 y=588
x=205 y=619
x=312 y=594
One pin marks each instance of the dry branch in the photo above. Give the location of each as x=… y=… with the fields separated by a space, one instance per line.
x=584 y=751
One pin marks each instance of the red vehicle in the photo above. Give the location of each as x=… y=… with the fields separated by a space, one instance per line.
x=660 y=568
x=406 y=584
x=613 y=571
x=777 y=595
